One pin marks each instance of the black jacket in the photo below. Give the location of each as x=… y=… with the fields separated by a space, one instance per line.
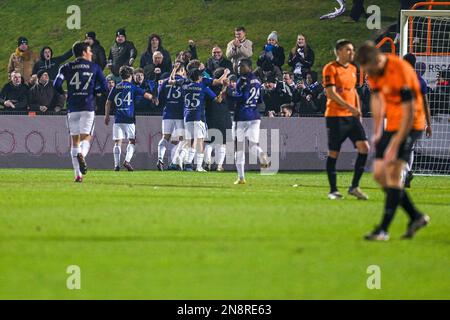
x=120 y=55
x=304 y=63
x=52 y=65
x=45 y=95
x=277 y=56
x=150 y=74
x=212 y=65
x=18 y=95
x=147 y=59
x=99 y=55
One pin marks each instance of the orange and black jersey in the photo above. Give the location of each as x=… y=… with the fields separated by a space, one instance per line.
x=344 y=79
x=398 y=83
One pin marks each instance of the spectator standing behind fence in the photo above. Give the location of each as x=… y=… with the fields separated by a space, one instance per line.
x=23 y=60
x=43 y=97
x=155 y=45
x=98 y=52
x=122 y=53
x=283 y=92
x=157 y=68
x=50 y=64
x=301 y=58
x=217 y=60
x=14 y=95
x=272 y=51
x=239 y=48
x=100 y=100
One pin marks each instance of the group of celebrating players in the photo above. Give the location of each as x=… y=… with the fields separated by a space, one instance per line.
x=397 y=106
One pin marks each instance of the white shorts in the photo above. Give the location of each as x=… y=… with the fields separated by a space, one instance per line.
x=124 y=131
x=174 y=127
x=81 y=122
x=195 y=130
x=246 y=129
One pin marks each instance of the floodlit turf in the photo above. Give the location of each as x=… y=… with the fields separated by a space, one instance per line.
x=150 y=235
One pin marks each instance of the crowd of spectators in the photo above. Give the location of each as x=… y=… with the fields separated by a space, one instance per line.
x=290 y=86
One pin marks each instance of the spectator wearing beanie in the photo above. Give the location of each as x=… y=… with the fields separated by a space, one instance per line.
x=122 y=53
x=50 y=64
x=43 y=97
x=22 y=60
x=98 y=52
x=272 y=51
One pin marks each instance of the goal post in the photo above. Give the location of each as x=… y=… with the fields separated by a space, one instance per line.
x=426 y=34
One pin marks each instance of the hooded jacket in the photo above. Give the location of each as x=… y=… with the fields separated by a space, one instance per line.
x=147 y=56
x=51 y=66
x=23 y=62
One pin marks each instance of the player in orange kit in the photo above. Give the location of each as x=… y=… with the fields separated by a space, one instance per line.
x=395 y=96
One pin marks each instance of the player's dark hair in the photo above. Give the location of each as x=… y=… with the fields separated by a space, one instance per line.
x=193 y=64
x=241 y=28
x=246 y=62
x=367 y=53
x=78 y=48
x=125 y=72
x=194 y=74
x=410 y=58
x=218 y=73
x=342 y=43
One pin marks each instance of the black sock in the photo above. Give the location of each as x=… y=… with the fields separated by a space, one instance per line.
x=406 y=203
x=331 y=171
x=391 y=204
x=360 y=165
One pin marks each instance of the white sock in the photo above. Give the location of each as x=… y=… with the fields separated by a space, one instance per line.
x=221 y=152
x=257 y=151
x=173 y=151
x=191 y=155
x=208 y=153
x=199 y=159
x=240 y=162
x=76 y=166
x=130 y=152
x=117 y=150
x=162 y=146
x=181 y=154
x=85 y=146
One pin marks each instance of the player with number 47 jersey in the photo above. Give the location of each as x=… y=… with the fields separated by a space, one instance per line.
x=84 y=79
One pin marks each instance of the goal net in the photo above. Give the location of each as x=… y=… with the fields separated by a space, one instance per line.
x=426 y=34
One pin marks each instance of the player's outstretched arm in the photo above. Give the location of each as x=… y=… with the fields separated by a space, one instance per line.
x=107 y=111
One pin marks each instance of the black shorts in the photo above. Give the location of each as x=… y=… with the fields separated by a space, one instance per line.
x=341 y=128
x=405 y=149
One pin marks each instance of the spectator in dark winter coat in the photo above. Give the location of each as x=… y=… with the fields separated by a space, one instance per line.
x=98 y=52
x=268 y=72
x=217 y=60
x=122 y=53
x=49 y=63
x=43 y=97
x=154 y=70
x=154 y=45
x=272 y=51
x=14 y=95
x=283 y=92
x=301 y=58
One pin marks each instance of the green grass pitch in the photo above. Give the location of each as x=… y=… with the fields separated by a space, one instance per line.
x=171 y=235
